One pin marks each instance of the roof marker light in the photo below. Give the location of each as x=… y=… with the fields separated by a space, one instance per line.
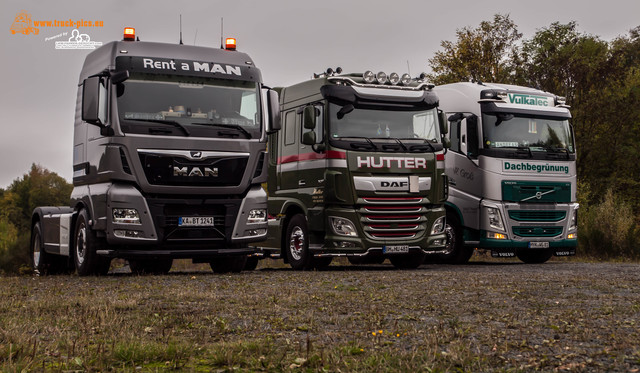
x=129 y=34
x=230 y=44
x=381 y=77
x=394 y=78
x=405 y=79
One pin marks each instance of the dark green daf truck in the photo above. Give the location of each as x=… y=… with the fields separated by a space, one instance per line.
x=358 y=171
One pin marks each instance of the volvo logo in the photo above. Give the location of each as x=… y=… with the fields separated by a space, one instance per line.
x=195 y=171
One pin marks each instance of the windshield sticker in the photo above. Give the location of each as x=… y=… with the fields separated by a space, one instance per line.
x=524 y=99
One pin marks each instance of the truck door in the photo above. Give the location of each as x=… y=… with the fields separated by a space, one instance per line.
x=288 y=154
x=313 y=162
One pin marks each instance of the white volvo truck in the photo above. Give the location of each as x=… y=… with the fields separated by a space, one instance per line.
x=512 y=173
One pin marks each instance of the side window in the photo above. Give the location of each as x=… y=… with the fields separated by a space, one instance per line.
x=103 y=99
x=472 y=133
x=290 y=128
x=454 y=135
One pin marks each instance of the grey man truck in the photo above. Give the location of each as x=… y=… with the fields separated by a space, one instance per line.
x=357 y=170
x=168 y=159
x=512 y=172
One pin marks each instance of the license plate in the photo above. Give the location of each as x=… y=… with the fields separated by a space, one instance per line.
x=395 y=249
x=538 y=245
x=195 y=221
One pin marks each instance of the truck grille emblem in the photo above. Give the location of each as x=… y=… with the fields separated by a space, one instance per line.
x=195 y=171
x=196 y=154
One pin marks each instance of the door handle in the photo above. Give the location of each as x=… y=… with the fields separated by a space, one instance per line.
x=302 y=183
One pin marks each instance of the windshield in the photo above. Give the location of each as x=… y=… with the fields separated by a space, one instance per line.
x=537 y=134
x=373 y=124
x=184 y=106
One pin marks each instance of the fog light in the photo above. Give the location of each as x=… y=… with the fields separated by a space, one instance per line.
x=257 y=216
x=438 y=243
x=496 y=236
x=343 y=227
x=438 y=225
x=121 y=233
x=126 y=216
x=572 y=236
x=255 y=232
x=344 y=244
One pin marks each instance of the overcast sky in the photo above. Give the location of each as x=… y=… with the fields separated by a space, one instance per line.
x=289 y=40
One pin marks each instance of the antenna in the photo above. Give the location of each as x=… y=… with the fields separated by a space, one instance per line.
x=180 y=29
x=221 y=32
x=408 y=68
x=195 y=37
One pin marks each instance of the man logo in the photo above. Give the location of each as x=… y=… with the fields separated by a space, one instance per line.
x=196 y=154
x=195 y=171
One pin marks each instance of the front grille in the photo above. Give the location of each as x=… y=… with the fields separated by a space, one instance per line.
x=532 y=215
x=392 y=218
x=537 y=231
x=179 y=171
x=166 y=216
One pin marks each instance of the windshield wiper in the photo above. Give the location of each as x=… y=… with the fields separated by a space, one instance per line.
x=518 y=149
x=420 y=147
x=233 y=126
x=359 y=145
x=553 y=149
x=163 y=121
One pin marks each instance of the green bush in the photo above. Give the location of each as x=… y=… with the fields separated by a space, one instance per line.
x=608 y=229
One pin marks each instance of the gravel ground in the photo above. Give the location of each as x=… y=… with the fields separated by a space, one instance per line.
x=505 y=316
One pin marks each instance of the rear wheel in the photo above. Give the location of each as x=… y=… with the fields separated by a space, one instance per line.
x=42 y=262
x=150 y=266
x=228 y=264
x=86 y=244
x=297 y=243
x=534 y=256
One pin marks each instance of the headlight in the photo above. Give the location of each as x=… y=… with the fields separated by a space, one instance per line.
x=574 y=220
x=494 y=218
x=438 y=225
x=126 y=216
x=343 y=227
x=381 y=77
x=257 y=216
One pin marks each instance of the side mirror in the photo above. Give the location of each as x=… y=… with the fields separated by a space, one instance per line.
x=119 y=76
x=446 y=143
x=444 y=124
x=273 y=106
x=94 y=101
x=309 y=138
x=309 y=117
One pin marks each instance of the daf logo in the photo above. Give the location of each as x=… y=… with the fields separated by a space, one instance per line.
x=195 y=154
x=394 y=184
x=195 y=171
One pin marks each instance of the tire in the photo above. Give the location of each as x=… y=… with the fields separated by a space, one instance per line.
x=534 y=256
x=150 y=266
x=42 y=262
x=455 y=250
x=226 y=264
x=85 y=245
x=251 y=263
x=407 y=261
x=297 y=243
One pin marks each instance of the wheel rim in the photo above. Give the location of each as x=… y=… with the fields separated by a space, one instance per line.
x=36 y=251
x=451 y=239
x=296 y=243
x=81 y=243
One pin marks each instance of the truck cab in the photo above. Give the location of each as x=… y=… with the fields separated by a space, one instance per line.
x=168 y=159
x=357 y=171
x=512 y=172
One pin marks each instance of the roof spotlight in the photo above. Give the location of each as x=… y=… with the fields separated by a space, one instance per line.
x=394 y=78
x=405 y=79
x=381 y=77
x=369 y=77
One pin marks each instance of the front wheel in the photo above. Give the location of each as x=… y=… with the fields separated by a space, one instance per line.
x=297 y=243
x=534 y=256
x=455 y=251
x=86 y=245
